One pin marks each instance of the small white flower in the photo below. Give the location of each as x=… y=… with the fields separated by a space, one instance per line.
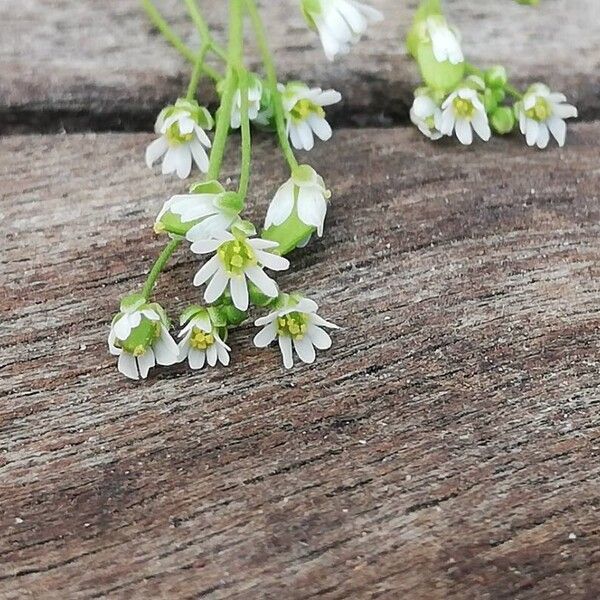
x=295 y=323
x=427 y=116
x=340 y=23
x=182 y=138
x=140 y=338
x=238 y=258
x=543 y=112
x=201 y=342
x=304 y=113
x=305 y=192
x=444 y=41
x=463 y=111
x=210 y=208
x=255 y=92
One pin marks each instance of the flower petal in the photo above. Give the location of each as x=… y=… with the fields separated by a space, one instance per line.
x=265 y=336
x=239 y=292
x=214 y=290
x=319 y=337
x=165 y=348
x=128 y=365
x=285 y=345
x=196 y=358
x=145 y=362
x=304 y=349
x=262 y=281
x=155 y=150
x=207 y=271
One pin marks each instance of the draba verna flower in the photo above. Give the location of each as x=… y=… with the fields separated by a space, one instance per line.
x=295 y=323
x=182 y=138
x=255 y=93
x=340 y=23
x=542 y=112
x=304 y=113
x=463 y=111
x=444 y=41
x=305 y=193
x=139 y=336
x=207 y=211
x=201 y=340
x=426 y=114
x=238 y=258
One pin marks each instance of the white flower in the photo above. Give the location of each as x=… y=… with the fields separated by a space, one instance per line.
x=295 y=323
x=201 y=342
x=255 y=91
x=463 y=110
x=182 y=138
x=444 y=41
x=543 y=112
x=427 y=116
x=304 y=113
x=140 y=338
x=238 y=258
x=340 y=23
x=306 y=192
x=208 y=208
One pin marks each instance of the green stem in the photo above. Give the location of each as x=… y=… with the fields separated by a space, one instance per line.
x=513 y=91
x=158 y=21
x=267 y=58
x=197 y=73
x=203 y=29
x=236 y=41
x=159 y=265
x=246 y=137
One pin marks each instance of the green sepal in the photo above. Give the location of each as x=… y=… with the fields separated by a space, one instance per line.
x=243 y=228
x=199 y=113
x=207 y=187
x=158 y=309
x=227 y=315
x=257 y=297
x=132 y=302
x=438 y=75
x=172 y=224
x=289 y=234
x=189 y=312
x=230 y=202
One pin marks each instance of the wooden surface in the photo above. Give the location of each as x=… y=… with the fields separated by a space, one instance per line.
x=445 y=448
x=98 y=65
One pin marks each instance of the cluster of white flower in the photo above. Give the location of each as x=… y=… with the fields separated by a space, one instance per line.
x=458 y=98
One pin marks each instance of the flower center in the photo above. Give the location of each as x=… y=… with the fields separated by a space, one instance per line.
x=236 y=256
x=175 y=137
x=200 y=340
x=541 y=111
x=293 y=324
x=304 y=108
x=141 y=338
x=464 y=108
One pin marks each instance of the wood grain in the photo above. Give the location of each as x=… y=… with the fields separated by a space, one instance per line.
x=445 y=448
x=99 y=65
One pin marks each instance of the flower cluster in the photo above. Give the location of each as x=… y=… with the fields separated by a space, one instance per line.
x=459 y=98
x=239 y=261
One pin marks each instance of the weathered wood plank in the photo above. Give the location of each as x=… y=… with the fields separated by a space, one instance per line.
x=446 y=447
x=98 y=65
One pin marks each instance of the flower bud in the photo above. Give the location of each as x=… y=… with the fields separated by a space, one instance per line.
x=496 y=77
x=503 y=120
